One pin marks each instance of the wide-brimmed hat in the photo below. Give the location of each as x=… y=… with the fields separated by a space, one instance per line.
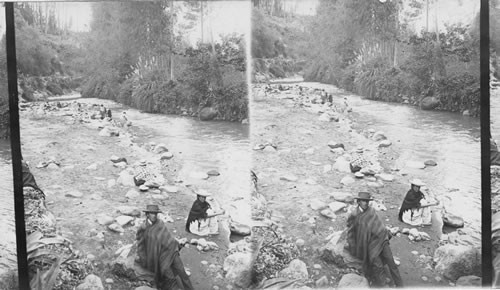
x=417 y=182
x=363 y=195
x=143 y=162
x=152 y=208
x=359 y=149
x=202 y=192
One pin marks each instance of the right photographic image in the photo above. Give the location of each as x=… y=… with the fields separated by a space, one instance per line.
x=365 y=131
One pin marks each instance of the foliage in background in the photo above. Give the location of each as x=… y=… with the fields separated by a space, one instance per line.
x=364 y=47
x=138 y=52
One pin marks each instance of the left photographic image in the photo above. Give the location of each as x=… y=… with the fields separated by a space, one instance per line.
x=135 y=145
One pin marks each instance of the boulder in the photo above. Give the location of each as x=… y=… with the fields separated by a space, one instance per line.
x=342 y=165
x=325 y=117
x=317 y=204
x=352 y=280
x=338 y=150
x=342 y=196
x=336 y=206
x=347 y=180
x=111 y=183
x=143 y=188
x=327 y=168
x=116 y=228
x=52 y=166
x=105 y=220
x=91 y=282
x=166 y=156
x=452 y=220
x=454 y=261
x=469 y=281
x=379 y=136
x=384 y=143
x=207 y=114
x=429 y=103
x=430 y=163
x=123 y=220
x=269 y=149
x=367 y=171
x=375 y=184
x=238 y=268
x=295 y=270
x=129 y=210
x=129 y=269
x=240 y=229
x=334 y=145
x=358 y=174
x=160 y=148
x=327 y=212
x=132 y=194
x=126 y=178
x=121 y=165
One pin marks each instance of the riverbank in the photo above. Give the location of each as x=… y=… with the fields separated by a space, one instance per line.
x=85 y=188
x=303 y=170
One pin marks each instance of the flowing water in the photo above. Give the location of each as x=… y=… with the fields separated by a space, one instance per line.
x=8 y=258
x=450 y=139
x=202 y=146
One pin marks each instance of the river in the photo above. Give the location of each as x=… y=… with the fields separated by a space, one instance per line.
x=202 y=146
x=450 y=139
x=8 y=258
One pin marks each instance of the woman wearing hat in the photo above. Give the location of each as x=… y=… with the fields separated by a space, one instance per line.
x=415 y=209
x=202 y=219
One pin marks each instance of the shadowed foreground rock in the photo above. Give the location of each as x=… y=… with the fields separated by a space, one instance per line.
x=352 y=281
x=456 y=261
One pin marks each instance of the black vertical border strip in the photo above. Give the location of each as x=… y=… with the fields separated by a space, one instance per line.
x=15 y=143
x=485 y=145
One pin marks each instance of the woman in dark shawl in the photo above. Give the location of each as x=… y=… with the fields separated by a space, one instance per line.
x=412 y=211
x=202 y=219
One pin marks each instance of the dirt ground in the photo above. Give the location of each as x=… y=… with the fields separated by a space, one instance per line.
x=276 y=118
x=76 y=145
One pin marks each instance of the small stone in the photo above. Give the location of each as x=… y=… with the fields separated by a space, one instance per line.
x=424 y=278
x=328 y=213
x=289 y=177
x=336 y=206
x=386 y=177
x=269 y=149
x=111 y=183
x=405 y=231
x=116 y=228
x=105 y=219
x=170 y=188
x=159 y=196
x=109 y=281
x=131 y=194
x=322 y=282
x=359 y=175
x=311 y=181
x=204 y=263
x=123 y=220
x=317 y=204
x=430 y=163
x=317 y=266
x=347 y=180
x=334 y=145
x=90 y=257
x=300 y=243
x=438 y=279
x=95 y=196
x=414 y=253
x=166 y=156
x=92 y=166
x=143 y=188
x=213 y=172
x=327 y=168
x=129 y=210
x=384 y=143
x=74 y=193
x=309 y=151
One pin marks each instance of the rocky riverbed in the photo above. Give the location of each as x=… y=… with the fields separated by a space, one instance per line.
x=302 y=147
x=84 y=165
